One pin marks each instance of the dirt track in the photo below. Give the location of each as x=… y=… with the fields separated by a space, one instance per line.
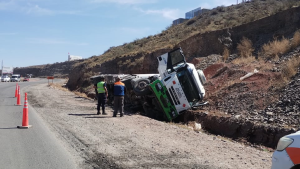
x=134 y=141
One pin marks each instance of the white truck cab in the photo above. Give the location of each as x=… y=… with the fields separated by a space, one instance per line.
x=183 y=83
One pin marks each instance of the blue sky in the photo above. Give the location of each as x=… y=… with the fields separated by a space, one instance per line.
x=36 y=32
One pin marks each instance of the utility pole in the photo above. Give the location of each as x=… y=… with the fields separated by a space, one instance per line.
x=2 y=69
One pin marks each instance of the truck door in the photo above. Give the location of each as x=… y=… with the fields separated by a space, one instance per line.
x=170 y=62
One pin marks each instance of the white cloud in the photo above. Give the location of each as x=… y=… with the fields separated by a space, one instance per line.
x=43 y=11
x=38 y=10
x=166 y=13
x=124 y=1
x=8 y=5
x=32 y=9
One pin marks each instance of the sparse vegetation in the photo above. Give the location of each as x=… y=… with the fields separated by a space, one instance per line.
x=226 y=54
x=245 y=48
x=275 y=48
x=296 y=39
x=243 y=60
x=290 y=68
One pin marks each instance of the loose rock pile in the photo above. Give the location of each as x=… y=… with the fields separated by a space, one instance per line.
x=287 y=110
x=254 y=99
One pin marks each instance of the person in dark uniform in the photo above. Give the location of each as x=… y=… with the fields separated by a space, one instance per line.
x=119 y=92
x=102 y=95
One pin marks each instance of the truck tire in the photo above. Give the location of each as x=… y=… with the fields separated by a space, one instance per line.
x=201 y=76
x=141 y=86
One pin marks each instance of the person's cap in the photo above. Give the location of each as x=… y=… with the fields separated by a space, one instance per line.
x=118 y=78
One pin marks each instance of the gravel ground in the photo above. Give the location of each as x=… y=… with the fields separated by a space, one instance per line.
x=134 y=141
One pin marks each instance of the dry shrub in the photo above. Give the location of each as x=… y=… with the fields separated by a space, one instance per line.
x=245 y=48
x=296 y=40
x=275 y=48
x=59 y=86
x=226 y=54
x=243 y=60
x=290 y=69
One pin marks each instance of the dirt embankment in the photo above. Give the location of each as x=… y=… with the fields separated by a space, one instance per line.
x=135 y=141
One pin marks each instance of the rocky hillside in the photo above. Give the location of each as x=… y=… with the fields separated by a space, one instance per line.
x=261 y=31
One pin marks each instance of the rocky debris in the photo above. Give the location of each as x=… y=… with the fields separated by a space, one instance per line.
x=286 y=111
x=208 y=61
x=225 y=39
x=231 y=58
x=254 y=98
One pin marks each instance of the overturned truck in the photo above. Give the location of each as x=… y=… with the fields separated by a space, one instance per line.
x=177 y=88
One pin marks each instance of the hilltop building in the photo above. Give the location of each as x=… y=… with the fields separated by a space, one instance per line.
x=179 y=21
x=190 y=15
x=72 y=57
x=202 y=11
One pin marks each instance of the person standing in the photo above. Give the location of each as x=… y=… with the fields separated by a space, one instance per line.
x=119 y=92
x=102 y=95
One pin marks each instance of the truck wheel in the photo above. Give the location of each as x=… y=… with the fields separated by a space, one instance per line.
x=201 y=76
x=141 y=86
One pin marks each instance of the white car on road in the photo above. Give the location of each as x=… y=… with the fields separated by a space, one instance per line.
x=5 y=79
x=287 y=154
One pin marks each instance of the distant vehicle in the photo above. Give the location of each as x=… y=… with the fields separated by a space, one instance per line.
x=287 y=154
x=26 y=79
x=5 y=78
x=15 y=78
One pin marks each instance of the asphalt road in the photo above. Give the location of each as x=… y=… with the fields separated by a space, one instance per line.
x=33 y=148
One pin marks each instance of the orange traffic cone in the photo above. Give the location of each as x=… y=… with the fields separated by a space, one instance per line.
x=16 y=91
x=25 y=124
x=19 y=97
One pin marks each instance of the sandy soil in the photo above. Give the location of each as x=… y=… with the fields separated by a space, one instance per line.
x=135 y=141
